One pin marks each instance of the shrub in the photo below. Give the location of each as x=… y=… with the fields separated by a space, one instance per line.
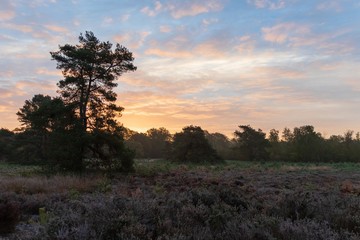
x=9 y=216
x=190 y=145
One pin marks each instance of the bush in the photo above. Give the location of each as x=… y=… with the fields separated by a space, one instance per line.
x=9 y=216
x=190 y=145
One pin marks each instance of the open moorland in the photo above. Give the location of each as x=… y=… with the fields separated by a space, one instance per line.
x=161 y=200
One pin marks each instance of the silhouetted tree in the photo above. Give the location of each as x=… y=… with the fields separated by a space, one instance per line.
x=158 y=139
x=6 y=144
x=275 y=147
x=41 y=117
x=140 y=143
x=90 y=69
x=252 y=143
x=190 y=145
x=86 y=111
x=307 y=144
x=221 y=144
x=45 y=114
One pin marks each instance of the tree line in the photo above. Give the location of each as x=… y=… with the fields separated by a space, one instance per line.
x=193 y=144
x=301 y=144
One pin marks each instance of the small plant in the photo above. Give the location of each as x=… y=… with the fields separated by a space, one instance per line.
x=43 y=216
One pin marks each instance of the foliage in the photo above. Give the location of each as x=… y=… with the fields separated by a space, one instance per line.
x=307 y=144
x=158 y=141
x=152 y=144
x=252 y=143
x=190 y=145
x=222 y=144
x=6 y=144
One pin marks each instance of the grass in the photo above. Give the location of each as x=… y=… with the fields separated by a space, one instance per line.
x=152 y=167
x=8 y=169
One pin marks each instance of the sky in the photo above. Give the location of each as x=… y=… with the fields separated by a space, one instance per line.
x=216 y=64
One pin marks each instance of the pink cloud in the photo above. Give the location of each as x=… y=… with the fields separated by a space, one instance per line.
x=168 y=53
x=44 y=71
x=6 y=74
x=7 y=10
x=165 y=29
x=18 y=27
x=6 y=15
x=284 y=31
x=56 y=28
x=209 y=49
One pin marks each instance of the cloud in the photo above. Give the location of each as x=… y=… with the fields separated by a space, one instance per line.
x=25 y=86
x=151 y=12
x=193 y=8
x=303 y=36
x=56 y=28
x=330 y=5
x=19 y=27
x=165 y=28
x=133 y=40
x=210 y=21
x=6 y=15
x=125 y=17
x=283 y=32
x=7 y=11
x=270 y=4
x=108 y=20
x=168 y=53
x=184 y=8
x=6 y=74
x=45 y=71
x=5 y=93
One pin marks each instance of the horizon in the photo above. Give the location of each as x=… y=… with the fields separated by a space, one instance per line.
x=215 y=64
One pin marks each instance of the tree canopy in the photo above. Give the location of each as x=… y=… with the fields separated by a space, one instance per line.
x=190 y=145
x=252 y=143
x=90 y=69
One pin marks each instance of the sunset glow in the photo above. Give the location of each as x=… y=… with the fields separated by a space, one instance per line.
x=212 y=63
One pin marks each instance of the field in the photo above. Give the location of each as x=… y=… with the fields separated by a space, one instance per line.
x=161 y=200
